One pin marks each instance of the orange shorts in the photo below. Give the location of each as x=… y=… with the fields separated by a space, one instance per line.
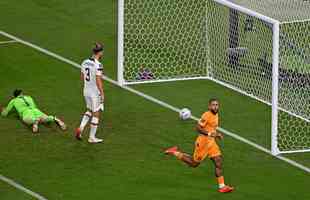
x=205 y=147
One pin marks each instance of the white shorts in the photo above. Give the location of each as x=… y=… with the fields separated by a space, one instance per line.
x=94 y=104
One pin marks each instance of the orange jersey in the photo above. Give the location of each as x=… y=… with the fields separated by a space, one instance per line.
x=209 y=121
x=207 y=146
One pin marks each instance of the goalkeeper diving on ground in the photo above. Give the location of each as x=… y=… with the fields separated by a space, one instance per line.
x=28 y=111
x=206 y=145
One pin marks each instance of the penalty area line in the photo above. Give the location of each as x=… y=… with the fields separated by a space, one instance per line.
x=157 y=101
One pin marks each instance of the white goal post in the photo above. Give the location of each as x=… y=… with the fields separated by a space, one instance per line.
x=258 y=48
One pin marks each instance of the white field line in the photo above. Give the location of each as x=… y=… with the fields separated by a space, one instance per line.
x=22 y=188
x=8 y=42
x=150 y=98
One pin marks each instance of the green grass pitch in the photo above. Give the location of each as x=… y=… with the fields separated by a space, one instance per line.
x=130 y=164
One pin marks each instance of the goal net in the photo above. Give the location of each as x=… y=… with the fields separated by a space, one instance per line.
x=250 y=63
x=163 y=40
x=259 y=48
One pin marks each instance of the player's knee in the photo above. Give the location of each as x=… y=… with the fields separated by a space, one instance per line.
x=88 y=113
x=95 y=121
x=96 y=114
x=195 y=164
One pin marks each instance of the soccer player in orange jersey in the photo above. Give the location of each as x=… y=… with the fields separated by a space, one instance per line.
x=205 y=145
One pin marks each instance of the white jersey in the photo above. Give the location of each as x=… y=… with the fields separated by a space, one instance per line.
x=91 y=68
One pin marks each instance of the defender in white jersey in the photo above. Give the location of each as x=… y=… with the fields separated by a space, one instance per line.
x=91 y=73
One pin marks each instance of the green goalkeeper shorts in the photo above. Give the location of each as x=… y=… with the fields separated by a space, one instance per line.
x=32 y=115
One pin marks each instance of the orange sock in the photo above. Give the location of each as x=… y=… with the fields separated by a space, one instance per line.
x=220 y=181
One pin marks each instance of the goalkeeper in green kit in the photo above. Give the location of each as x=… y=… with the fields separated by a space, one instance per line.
x=28 y=111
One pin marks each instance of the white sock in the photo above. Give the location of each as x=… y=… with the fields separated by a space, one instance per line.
x=85 y=120
x=93 y=127
x=221 y=185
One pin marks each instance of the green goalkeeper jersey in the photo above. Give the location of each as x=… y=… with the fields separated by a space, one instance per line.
x=20 y=104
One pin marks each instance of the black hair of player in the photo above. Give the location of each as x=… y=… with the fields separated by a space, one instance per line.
x=17 y=92
x=212 y=100
x=97 y=48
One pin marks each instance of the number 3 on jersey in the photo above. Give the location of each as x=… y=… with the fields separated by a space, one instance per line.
x=87 y=77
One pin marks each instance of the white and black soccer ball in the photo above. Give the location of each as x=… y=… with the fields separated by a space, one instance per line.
x=185 y=114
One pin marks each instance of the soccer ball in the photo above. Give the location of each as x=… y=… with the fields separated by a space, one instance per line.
x=185 y=114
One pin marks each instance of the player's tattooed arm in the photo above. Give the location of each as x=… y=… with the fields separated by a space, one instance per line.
x=217 y=135
x=200 y=129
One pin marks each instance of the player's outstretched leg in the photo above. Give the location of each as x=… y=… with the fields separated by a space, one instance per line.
x=186 y=158
x=85 y=119
x=60 y=123
x=219 y=175
x=44 y=118
x=48 y=119
x=93 y=128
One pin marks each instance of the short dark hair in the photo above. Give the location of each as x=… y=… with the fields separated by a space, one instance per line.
x=17 y=92
x=97 y=48
x=213 y=99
